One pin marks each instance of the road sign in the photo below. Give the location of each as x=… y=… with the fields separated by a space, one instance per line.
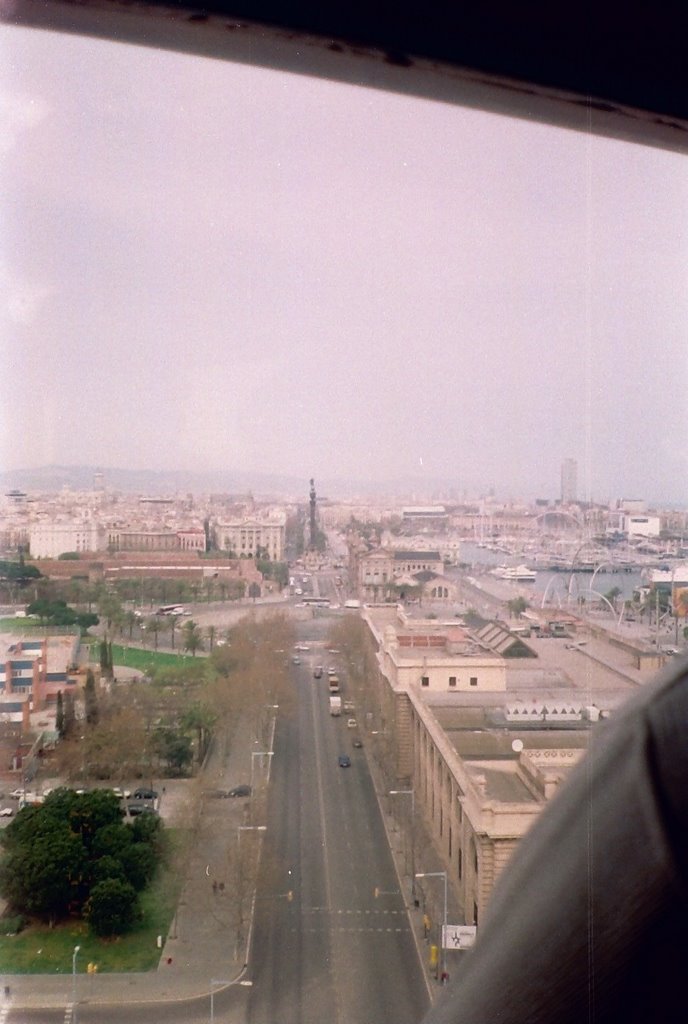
x=458 y=936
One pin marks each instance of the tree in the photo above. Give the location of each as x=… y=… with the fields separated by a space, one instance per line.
x=139 y=862
x=202 y=719
x=86 y=619
x=69 y=713
x=112 y=907
x=107 y=867
x=91 y=699
x=106 y=658
x=58 y=613
x=171 y=621
x=517 y=606
x=154 y=625
x=42 y=864
x=174 y=747
x=192 y=637
x=55 y=856
x=60 y=716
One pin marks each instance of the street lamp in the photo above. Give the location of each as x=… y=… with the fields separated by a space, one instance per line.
x=409 y=792
x=249 y=828
x=219 y=982
x=440 y=874
x=76 y=950
x=261 y=754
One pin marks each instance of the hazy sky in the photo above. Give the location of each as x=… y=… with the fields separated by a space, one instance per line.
x=204 y=265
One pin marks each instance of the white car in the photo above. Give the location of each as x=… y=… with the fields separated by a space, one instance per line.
x=6 y=812
x=351 y=723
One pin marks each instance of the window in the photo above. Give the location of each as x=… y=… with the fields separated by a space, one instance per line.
x=425 y=681
x=452 y=680
x=474 y=680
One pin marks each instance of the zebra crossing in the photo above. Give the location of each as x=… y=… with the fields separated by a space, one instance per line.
x=358 y=921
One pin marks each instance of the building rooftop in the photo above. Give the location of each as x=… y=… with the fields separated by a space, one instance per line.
x=502 y=783
x=409 y=556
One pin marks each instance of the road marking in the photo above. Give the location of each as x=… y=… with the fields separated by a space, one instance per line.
x=328 y=910
x=321 y=796
x=69 y=1013
x=353 y=931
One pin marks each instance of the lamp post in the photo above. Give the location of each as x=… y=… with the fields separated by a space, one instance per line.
x=249 y=828
x=261 y=754
x=76 y=950
x=215 y=982
x=409 y=792
x=440 y=874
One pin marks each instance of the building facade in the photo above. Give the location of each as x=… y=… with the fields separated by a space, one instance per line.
x=54 y=538
x=38 y=668
x=252 y=538
x=448 y=740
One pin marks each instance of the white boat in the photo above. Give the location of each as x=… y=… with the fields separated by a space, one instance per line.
x=515 y=573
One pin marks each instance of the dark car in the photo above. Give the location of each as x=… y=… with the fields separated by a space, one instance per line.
x=139 y=807
x=240 y=791
x=145 y=794
x=318 y=672
x=344 y=761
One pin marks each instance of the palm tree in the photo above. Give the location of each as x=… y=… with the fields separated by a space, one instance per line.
x=172 y=621
x=154 y=625
x=130 y=620
x=211 y=633
x=193 y=639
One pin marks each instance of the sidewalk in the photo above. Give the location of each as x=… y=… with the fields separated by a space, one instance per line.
x=201 y=944
x=423 y=898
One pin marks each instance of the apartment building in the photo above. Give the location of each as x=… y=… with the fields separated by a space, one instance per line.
x=36 y=669
x=252 y=537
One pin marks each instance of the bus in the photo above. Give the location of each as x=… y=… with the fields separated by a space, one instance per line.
x=172 y=609
x=318 y=602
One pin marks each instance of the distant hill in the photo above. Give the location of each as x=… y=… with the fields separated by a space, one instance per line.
x=144 y=481
x=171 y=482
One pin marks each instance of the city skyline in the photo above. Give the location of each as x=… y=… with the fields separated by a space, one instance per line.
x=238 y=269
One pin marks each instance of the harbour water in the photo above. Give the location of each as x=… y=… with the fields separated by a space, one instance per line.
x=559 y=587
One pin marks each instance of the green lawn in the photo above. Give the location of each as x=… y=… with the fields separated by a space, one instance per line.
x=139 y=657
x=14 y=625
x=43 y=950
